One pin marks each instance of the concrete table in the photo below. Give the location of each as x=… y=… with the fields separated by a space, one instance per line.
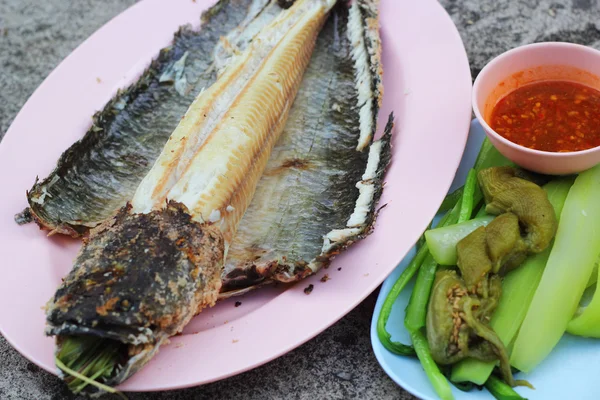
x=339 y=363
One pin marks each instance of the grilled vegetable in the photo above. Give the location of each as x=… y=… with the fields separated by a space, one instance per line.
x=518 y=288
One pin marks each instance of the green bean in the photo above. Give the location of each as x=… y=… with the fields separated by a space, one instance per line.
x=386 y=309
x=437 y=379
x=466 y=207
x=481 y=212
x=401 y=282
x=500 y=390
x=416 y=311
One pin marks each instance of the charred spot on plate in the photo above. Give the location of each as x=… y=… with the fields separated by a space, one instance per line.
x=238 y=303
x=309 y=289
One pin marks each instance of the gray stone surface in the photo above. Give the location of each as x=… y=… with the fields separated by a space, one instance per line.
x=338 y=364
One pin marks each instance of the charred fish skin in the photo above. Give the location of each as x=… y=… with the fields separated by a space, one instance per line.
x=143 y=275
x=309 y=191
x=98 y=174
x=138 y=279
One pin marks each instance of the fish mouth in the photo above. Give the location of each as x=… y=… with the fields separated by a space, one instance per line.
x=108 y=361
x=83 y=352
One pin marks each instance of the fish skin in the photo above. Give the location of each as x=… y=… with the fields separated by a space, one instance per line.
x=98 y=174
x=138 y=279
x=244 y=271
x=309 y=185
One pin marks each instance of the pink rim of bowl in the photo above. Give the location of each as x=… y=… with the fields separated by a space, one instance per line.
x=532 y=63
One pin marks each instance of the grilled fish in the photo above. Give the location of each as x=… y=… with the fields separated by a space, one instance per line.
x=143 y=274
x=318 y=193
x=100 y=173
x=314 y=167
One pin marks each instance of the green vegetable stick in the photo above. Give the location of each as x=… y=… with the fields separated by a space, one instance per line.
x=518 y=289
x=588 y=322
x=489 y=156
x=481 y=212
x=438 y=380
x=416 y=311
x=567 y=272
x=501 y=390
x=442 y=241
x=466 y=208
x=386 y=309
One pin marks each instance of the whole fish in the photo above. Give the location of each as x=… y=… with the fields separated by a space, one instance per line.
x=143 y=274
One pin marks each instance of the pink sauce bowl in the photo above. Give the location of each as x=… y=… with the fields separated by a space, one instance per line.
x=528 y=64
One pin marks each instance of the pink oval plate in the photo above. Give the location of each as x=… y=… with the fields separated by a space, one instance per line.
x=427 y=85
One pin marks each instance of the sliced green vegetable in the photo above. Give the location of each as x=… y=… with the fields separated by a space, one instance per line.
x=421 y=240
x=442 y=241
x=501 y=390
x=518 y=289
x=386 y=309
x=481 y=212
x=587 y=323
x=567 y=272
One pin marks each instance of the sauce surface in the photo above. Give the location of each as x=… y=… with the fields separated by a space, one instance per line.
x=555 y=116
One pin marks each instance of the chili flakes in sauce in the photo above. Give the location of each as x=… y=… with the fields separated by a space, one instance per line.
x=556 y=116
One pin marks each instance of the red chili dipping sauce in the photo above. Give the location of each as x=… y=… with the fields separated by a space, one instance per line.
x=555 y=116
